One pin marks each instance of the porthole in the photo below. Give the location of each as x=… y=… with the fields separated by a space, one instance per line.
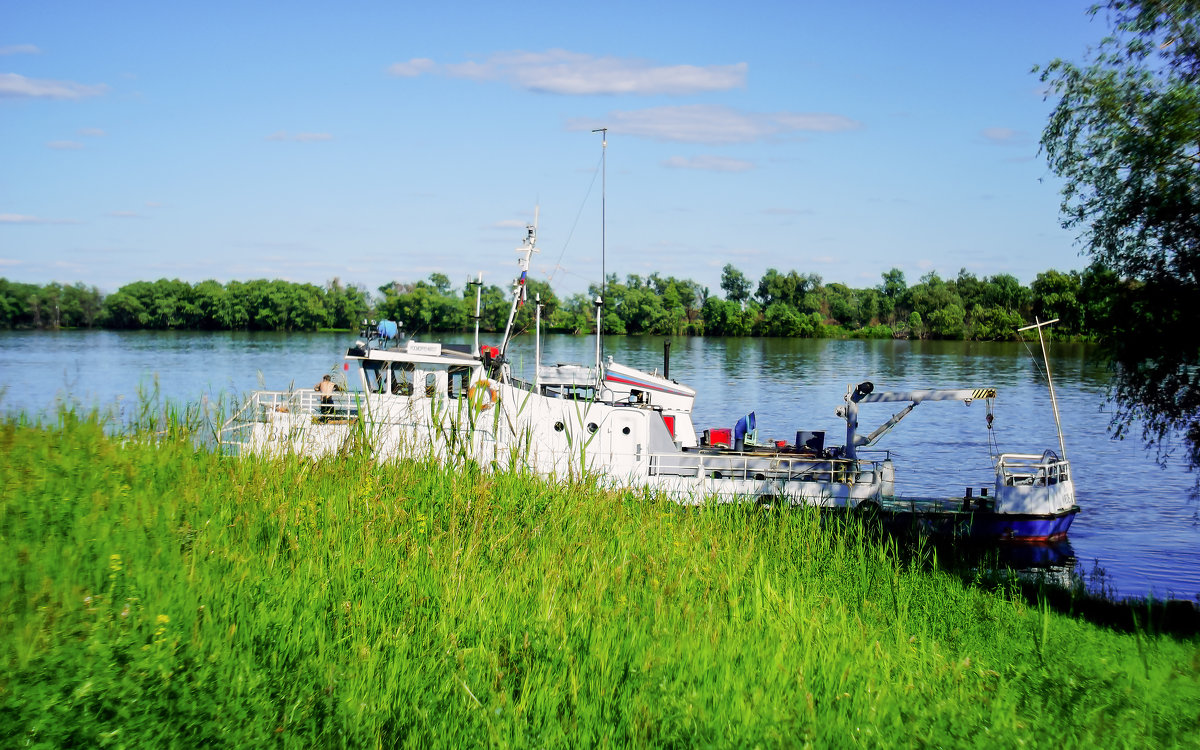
x=624 y=430
x=559 y=427
x=592 y=426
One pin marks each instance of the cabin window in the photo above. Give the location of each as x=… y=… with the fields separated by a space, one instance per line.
x=376 y=375
x=430 y=383
x=402 y=378
x=572 y=392
x=459 y=382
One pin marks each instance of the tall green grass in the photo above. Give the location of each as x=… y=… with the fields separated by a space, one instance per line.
x=155 y=593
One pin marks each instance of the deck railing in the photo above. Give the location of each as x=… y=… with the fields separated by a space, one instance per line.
x=759 y=468
x=262 y=406
x=1041 y=469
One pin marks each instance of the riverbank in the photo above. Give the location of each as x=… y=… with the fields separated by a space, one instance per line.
x=156 y=593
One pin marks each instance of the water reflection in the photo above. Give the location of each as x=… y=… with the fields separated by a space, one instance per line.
x=1049 y=564
x=1138 y=523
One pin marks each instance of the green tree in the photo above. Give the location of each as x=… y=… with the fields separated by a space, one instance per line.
x=789 y=288
x=574 y=315
x=947 y=322
x=347 y=305
x=842 y=304
x=728 y=318
x=970 y=289
x=1004 y=291
x=894 y=294
x=1125 y=137
x=781 y=319
x=233 y=311
x=14 y=303
x=937 y=304
x=916 y=327
x=1056 y=295
x=735 y=284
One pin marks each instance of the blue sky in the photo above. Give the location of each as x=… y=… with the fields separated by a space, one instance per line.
x=386 y=141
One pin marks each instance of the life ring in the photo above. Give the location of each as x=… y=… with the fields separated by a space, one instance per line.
x=483 y=395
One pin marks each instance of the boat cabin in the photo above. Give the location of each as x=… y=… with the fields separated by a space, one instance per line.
x=420 y=369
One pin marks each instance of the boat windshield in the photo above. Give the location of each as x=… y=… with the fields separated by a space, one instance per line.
x=376 y=375
x=402 y=378
x=385 y=377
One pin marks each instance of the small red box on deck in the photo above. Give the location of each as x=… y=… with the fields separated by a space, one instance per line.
x=718 y=436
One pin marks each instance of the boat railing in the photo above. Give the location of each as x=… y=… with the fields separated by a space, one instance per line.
x=1041 y=469
x=523 y=385
x=265 y=405
x=764 y=467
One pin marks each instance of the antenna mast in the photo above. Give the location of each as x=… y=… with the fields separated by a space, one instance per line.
x=478 y=310
x=527 y=249
x=603 y=239
x=1053 y=399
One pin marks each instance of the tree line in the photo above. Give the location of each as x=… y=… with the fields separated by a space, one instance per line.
x=781 y=304
x=171 y=304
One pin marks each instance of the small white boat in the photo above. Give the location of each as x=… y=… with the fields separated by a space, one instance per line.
x=629 y=428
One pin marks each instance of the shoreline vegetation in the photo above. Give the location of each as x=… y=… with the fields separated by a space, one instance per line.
x=790 y=304
x=156 y=592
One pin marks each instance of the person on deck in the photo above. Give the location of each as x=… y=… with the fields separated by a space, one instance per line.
x=326 y=388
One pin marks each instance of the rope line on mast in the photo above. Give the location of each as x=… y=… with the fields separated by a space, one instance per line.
x=583 y=204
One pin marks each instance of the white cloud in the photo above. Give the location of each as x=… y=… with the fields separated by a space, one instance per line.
x=92 y=132
x=125 y=214
x=65 y=145
x=559 y=71
x=787 y=211
x=709 y=162
x=27 y=219
x=283 y=135
x=18 y=86
x=1005 y=136
x=20 y=49
x=713 y=124
x=508 y=224
x=413 y=67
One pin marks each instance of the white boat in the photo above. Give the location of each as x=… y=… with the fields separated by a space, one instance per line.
x=628 y=428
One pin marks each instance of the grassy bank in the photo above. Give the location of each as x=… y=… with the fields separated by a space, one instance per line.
x=155 y=593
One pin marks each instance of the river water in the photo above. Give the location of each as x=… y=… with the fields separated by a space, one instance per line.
x=1138 y=533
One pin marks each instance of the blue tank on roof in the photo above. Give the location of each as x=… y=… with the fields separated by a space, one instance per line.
x=387 y=329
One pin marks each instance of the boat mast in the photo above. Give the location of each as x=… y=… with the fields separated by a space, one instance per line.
x=1062 y=446
x=537 y=340
x=478 y=312
x=527 y=248
x=603 y=239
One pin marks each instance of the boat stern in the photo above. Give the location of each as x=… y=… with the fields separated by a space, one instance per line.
x=1033 y=484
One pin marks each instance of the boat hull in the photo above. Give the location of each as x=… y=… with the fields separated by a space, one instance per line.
x=1022 y=527
x=981 y=525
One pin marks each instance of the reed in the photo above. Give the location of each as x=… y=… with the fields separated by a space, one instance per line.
x=154 y=592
